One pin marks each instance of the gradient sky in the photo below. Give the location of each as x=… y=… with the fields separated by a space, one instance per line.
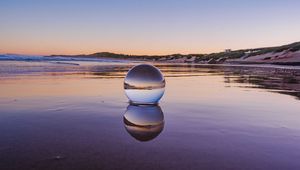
x=145 y=27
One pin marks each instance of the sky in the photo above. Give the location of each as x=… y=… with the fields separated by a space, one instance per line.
x=153 y=27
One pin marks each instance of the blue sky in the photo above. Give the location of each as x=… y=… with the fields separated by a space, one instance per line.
x=145 y=27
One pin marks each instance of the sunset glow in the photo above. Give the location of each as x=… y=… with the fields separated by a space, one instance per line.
x=145 y=27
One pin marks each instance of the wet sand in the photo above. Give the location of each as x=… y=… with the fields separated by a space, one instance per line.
x=64 y=116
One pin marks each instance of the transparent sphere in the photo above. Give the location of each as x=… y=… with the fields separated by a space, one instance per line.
x=144 y=84
x=144 y=122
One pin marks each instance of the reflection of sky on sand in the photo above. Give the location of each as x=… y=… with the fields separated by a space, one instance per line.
x=22 y=76
x=215 y=117
x=59 y=85
x=144 y=122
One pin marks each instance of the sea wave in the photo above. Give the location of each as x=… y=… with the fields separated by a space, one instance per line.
x=13 y=57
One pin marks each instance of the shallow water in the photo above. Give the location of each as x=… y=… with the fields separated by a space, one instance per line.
x=64 y=116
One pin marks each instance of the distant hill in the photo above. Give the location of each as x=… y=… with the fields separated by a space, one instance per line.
x=109 y=55
x=286 y=54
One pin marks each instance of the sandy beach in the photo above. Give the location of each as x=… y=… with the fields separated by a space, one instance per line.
x=56 y=116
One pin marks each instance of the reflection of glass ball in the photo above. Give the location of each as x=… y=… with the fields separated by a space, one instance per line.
x=144 y=84
x=144 y=122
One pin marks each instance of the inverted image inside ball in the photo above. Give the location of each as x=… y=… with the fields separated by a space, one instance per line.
x=144 y=84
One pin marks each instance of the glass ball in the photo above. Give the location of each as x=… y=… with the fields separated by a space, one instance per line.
x=144 y=122
x=144 y=84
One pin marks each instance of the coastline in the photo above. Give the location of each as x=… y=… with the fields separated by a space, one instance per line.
x=281 y=55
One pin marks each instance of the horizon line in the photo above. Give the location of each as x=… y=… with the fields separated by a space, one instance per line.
x=154 y=54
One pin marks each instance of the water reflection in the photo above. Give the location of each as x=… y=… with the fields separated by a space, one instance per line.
x=278 y=79
x=144 y=122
